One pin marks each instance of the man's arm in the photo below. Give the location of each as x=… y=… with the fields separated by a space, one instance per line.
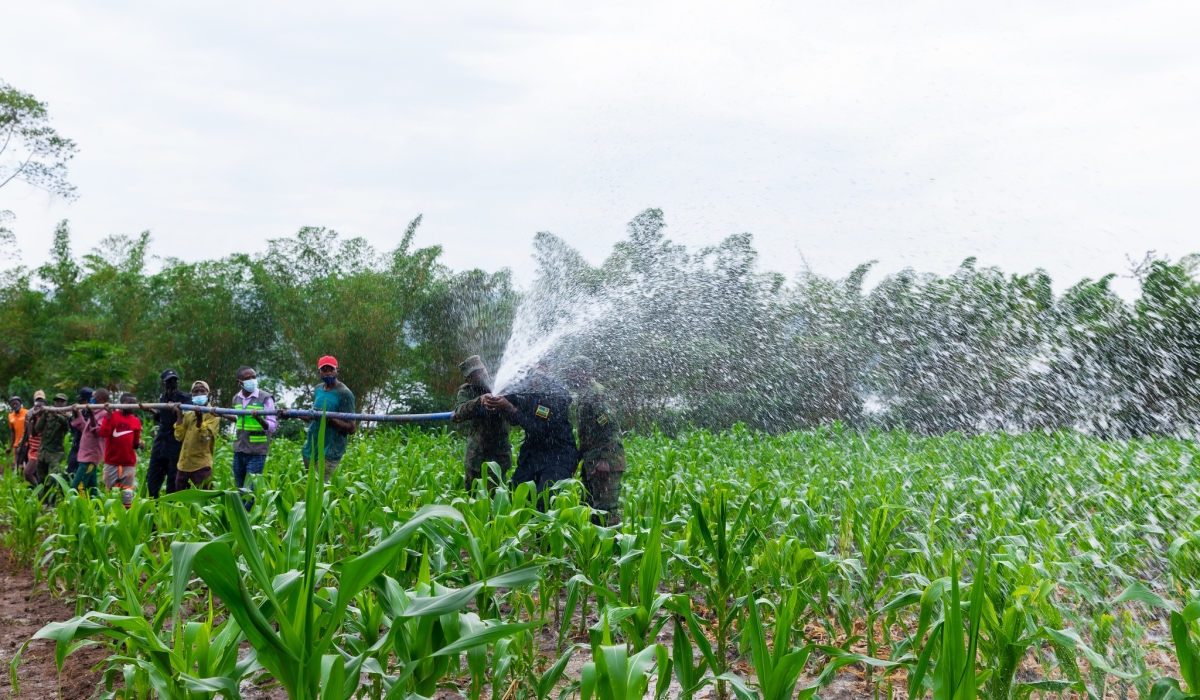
x=345 y=405
x=271 y=420
x=466 y=407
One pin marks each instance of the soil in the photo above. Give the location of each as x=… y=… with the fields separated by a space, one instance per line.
x=21 y=616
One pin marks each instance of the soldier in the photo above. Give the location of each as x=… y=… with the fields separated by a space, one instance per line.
x=541 y=406
x=53 y=427
x=487 y=436
x=601 y=451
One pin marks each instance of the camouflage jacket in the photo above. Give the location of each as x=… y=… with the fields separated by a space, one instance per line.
x=53 y=427
x=599 y=432
x=487 y=433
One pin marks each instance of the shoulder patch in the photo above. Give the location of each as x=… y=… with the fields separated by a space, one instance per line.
x=542 y=411
x=603 y=419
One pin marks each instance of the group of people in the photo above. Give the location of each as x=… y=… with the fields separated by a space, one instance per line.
x=544 y=408
x=104 y=443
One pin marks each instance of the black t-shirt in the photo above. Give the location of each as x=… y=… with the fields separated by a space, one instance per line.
x=164 y=418
x=543 y=411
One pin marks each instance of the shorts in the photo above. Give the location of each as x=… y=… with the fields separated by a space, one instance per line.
x=331 y=466
x=116 y=477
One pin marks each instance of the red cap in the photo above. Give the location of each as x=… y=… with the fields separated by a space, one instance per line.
x=327 y=360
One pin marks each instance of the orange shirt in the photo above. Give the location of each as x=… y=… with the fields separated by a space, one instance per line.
x=16 y=423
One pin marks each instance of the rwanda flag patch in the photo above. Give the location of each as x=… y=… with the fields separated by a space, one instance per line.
x=542 y=411
x=603 y=419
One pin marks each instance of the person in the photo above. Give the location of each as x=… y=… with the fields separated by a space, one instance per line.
x=16 y=427
x=91 y=445
x=164 y=454
x=122 y=433
x=84 y=397
x=197 y=435
x=52 y=427
x=31 y=441
x=252 y=440
x=487 y=434
x=540 y=406
x=334 y=397
x=601 y=452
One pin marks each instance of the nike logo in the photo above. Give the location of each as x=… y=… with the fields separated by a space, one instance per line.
x=119 y=433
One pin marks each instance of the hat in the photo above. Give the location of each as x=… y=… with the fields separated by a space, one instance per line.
x=329 y=360
x=86 y=391
x=39 y=394
x=202 y=383
x=61 y=397
x=168 y=374
x=471 y=365
x=579 y=363
x=16 y=398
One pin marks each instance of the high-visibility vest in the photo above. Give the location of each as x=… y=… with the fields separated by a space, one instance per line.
x=256 y=430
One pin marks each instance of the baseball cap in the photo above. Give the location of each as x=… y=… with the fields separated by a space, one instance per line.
x=201 y=383
x=168 y=374
x=39 y=394
x=327 y=360
x=61 y=397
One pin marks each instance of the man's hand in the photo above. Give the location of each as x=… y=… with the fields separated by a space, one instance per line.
x=602 y=467
x=178 y=412
x=497 y=403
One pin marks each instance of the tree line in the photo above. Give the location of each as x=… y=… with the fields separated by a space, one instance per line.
x=681 y=337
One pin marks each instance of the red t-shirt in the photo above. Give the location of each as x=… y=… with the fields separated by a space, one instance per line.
x=121 y=433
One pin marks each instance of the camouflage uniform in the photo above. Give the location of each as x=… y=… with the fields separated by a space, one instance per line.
x=487 y=435
x=600 y=439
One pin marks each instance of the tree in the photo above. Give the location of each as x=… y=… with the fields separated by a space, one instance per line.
x=31 y=151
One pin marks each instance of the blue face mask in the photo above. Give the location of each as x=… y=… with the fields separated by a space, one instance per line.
x=201 y=400
x=92 y=400
x=329 y=381
x=249 y=385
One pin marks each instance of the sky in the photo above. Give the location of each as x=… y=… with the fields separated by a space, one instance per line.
x=1058 y=135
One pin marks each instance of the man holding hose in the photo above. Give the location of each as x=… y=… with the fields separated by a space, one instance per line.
x=540 y=405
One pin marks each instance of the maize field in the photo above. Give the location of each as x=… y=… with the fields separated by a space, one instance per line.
x=747 y=566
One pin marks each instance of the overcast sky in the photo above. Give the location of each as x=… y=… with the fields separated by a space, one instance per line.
x=1053 y=134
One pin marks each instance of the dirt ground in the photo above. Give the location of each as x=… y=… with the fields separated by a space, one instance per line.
x=20 y=617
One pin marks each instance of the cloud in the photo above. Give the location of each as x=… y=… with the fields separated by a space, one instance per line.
x=1030 y=134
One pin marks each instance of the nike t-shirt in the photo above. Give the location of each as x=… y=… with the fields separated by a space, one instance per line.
x=121 y=433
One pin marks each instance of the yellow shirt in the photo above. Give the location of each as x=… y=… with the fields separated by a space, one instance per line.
x=198 y=442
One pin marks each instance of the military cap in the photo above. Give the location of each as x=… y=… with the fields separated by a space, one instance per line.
x=61 y=397
x=472 y=364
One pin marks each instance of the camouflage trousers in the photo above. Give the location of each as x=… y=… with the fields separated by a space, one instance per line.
x=477 y=463
x=603 y=493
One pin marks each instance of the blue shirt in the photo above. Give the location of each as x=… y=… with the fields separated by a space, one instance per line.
x=339 y=399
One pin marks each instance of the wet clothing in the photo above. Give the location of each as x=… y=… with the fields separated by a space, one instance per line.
x=164 y=453
x=600 y=440
x=196 y=443
x=253 y=435
x=339 y=399
x=91 y=445
x=121 y=433
x=487 y=433
x=543 y=411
